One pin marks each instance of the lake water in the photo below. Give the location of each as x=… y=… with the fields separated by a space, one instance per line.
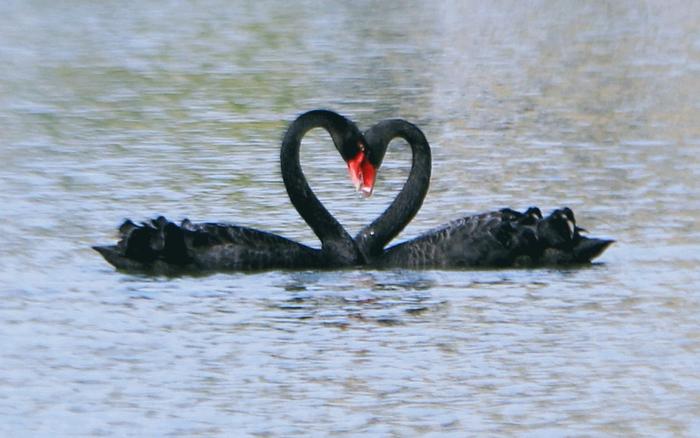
x=111 y=110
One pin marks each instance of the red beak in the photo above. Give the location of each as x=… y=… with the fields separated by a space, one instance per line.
x=362 y=173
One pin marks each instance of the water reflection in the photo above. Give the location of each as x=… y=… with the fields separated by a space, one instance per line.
x=382 y=298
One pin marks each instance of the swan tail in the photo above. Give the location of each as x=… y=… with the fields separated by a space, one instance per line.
x=558 y=239
x=115 y=257
x=563 y=242
x=586 y=249
x=143 y=246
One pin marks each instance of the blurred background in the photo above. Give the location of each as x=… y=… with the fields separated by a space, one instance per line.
x=111 y=110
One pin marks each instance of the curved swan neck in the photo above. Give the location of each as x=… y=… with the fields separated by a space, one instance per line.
x=335 y=241
x=372 y=239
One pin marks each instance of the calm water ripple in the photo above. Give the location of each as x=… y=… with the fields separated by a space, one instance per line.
x=110 y=112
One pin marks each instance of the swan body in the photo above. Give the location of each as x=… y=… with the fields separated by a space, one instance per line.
x=162 y=247
x=500 y=238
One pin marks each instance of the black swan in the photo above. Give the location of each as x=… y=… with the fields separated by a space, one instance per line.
x=497 y=239
x=161 y=246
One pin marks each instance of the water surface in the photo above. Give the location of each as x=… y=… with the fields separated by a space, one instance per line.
x=109 y=111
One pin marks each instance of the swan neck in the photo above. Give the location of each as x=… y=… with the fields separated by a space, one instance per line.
x=372 y=239
x=335 y=241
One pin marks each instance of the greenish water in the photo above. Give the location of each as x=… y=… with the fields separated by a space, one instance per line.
x=111 y=110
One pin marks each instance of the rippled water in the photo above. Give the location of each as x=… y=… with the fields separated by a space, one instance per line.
x=110 y=111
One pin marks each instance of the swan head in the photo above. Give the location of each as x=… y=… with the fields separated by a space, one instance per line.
x=363 y=172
